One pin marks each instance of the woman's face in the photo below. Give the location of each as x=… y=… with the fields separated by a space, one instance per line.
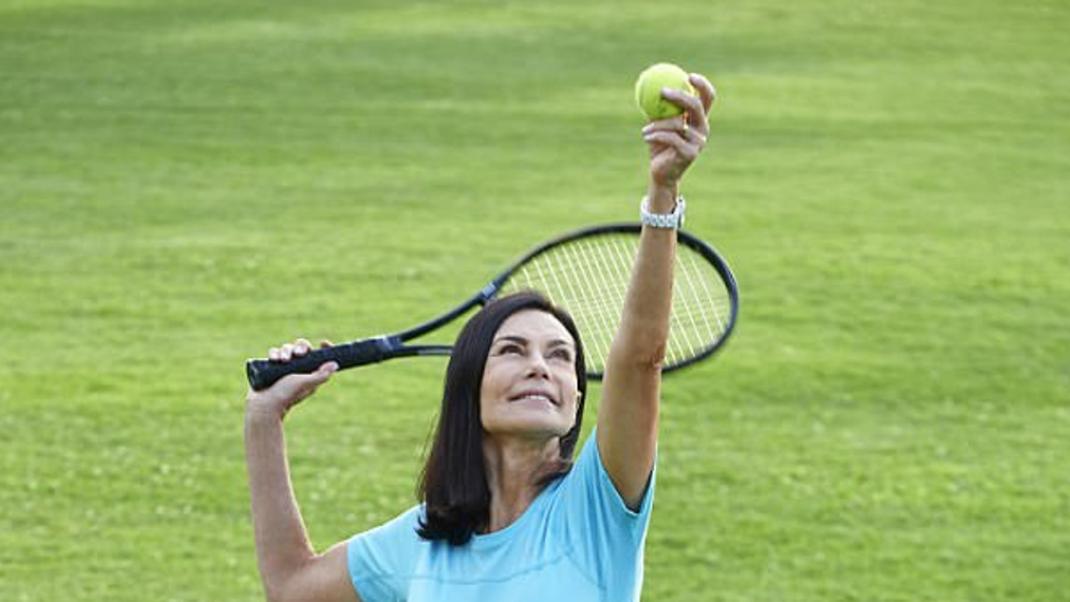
x=529 y=381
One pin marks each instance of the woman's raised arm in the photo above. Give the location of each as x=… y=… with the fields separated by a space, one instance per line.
x=289 y=567
x=628 y=413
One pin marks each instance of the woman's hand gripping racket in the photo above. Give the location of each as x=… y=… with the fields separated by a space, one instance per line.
x=587 y=272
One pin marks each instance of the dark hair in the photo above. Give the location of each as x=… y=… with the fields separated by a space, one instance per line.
x=453 y=485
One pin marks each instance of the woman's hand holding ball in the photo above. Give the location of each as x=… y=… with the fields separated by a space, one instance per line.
x=679 y=123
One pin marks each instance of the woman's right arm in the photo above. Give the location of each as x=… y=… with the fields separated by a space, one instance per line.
x=289 y=567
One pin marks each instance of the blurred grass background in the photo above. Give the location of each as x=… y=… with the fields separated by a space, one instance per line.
x=184 y=184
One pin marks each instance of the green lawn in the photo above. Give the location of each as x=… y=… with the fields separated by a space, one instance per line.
x=184 y=184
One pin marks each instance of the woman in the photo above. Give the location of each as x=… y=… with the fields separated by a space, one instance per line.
x=506 y=515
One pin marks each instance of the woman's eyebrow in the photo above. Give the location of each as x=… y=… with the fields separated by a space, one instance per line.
x=519 y=339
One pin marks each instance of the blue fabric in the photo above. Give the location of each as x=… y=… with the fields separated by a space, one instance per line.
x=577 y=541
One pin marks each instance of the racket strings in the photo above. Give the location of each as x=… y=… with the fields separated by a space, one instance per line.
x=589 y=277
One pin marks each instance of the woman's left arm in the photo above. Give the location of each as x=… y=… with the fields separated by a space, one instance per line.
x=628 y=414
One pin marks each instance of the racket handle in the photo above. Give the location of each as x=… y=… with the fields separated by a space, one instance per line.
x=263 y=373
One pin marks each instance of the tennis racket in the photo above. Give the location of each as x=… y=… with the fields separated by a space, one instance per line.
x=587 y=273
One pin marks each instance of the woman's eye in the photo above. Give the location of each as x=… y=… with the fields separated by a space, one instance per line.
x=510 y=349
x=561 y=353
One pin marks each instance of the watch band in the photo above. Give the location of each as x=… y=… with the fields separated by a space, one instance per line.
x=674 y=220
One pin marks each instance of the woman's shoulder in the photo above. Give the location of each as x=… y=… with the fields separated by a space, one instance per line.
x=387 y=549
x=399 y=530
x=380 y=560
x=408 y=520
x=589 y=490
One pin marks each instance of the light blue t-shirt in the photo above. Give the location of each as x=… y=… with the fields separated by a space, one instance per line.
x=577 y=541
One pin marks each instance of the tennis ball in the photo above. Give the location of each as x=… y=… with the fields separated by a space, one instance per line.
x=648 y=90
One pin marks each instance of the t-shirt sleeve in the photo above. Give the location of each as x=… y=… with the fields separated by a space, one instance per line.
x=381 y=560
x=595 y=516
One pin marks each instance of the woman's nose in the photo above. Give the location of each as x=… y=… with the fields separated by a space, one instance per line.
x=537 y=366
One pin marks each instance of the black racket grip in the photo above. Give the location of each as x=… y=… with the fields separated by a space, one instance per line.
x=263 y=373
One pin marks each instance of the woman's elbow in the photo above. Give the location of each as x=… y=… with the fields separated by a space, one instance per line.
x=642 y=357
x=280 y=588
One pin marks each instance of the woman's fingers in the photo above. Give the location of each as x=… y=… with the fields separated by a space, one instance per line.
x=289 y=390
x=696 y=109
x=299 y=348
x=677 y=124
x=692 y=106
x=688 y=148
x=320 y=376
x=308 y=383
x=694 y=137
x=706 y=91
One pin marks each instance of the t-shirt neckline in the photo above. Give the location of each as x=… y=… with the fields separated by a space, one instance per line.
x=491 y=539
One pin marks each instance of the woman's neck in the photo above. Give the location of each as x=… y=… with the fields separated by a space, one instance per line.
x=514 y=468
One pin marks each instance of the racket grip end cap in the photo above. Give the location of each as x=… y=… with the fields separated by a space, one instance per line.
x=256 y=372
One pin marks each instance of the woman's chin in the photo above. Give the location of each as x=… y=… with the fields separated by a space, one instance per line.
x=531 y=425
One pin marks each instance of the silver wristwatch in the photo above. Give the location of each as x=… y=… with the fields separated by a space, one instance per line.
x=674 y=220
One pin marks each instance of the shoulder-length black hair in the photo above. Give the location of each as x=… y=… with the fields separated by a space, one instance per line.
x=453 y=485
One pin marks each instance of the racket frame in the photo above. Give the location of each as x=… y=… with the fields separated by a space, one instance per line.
x=263 y=373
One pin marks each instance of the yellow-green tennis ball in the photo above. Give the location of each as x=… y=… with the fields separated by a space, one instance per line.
x=648 y=90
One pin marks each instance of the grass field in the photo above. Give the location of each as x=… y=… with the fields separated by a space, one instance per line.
x=184 y=184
